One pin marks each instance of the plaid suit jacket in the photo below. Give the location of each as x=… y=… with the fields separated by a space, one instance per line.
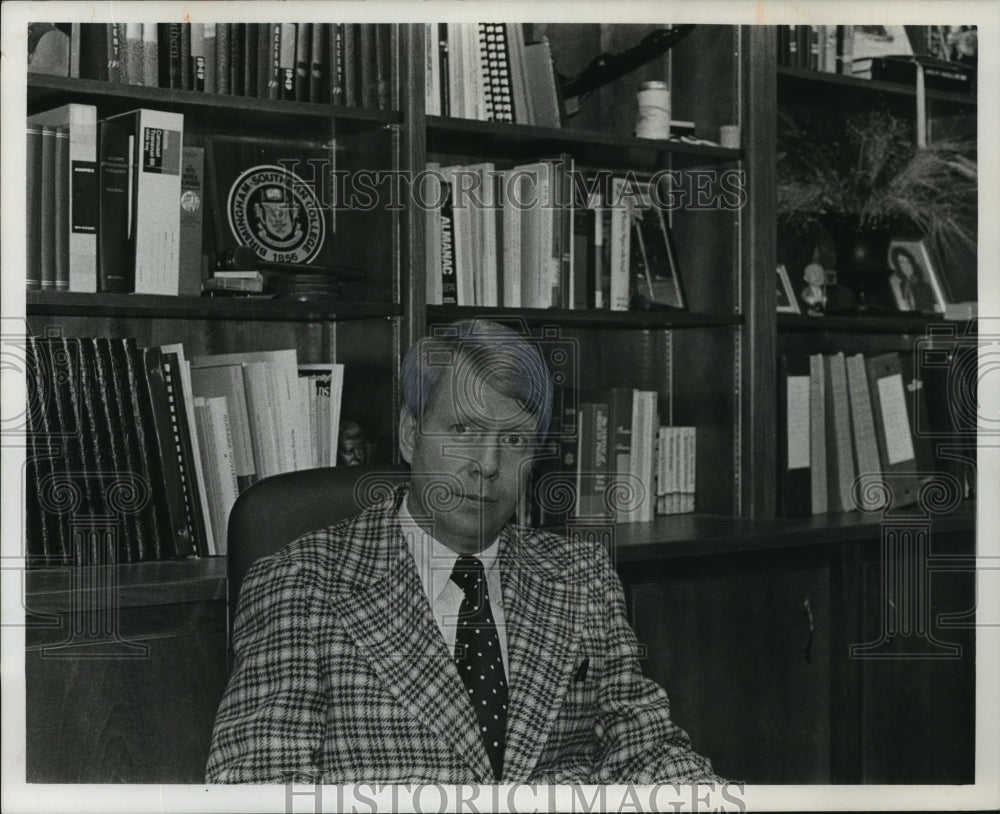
x=341 y=674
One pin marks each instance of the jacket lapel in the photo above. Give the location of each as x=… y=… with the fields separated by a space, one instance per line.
x=544 y=617
x=384 y=609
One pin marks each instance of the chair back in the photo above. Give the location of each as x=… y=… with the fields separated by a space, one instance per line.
x=276 y=510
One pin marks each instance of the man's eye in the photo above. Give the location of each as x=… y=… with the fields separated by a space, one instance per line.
x=459 y=429
x=513 y=439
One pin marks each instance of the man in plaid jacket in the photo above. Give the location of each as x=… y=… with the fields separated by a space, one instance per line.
x=351 y=664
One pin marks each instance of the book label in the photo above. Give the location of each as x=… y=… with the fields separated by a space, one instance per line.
x=161 y=151
x=83 y=213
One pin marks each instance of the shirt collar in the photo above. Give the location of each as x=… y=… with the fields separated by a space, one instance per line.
x=434 y=560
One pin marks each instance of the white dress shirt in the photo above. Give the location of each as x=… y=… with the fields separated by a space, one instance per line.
x=435 y=562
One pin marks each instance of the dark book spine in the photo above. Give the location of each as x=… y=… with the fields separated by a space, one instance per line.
x=48 y=209
x=449 y=286
x=382 y=66
x=185 y=67
x=223 y=54
x=443 y=57
x=251 y=53
x=192 y=220
x=115 y=269
x=337 y=63
x=116 y=51
x=366 y=58
x=211 y=58
x=42 y=538
x=274 y=79
x=237 y=67
x=303 y=41
x=319 y=61
x=263 y=59
x=62 y=204
x=182 y=432
x=286 y=62
x=154 y=405
x=33 y=222
x=350 y=72
x=118 y=455
x=170 y=58
x=94 y=51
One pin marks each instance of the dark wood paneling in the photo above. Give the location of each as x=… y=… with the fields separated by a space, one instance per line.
x=125 y=718
x=748 y=679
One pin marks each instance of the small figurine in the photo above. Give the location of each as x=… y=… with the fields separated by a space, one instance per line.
x=352 y=449
x=814 y=292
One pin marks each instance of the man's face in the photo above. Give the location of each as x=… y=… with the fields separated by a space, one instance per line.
x=469 y=454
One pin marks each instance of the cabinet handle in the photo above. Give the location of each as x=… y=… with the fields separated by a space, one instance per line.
x=807 y=610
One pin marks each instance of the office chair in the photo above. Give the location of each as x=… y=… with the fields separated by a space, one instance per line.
x=276 y=510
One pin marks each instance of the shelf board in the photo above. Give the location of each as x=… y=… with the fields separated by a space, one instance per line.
x=155 y=306
x=692 y=535
x=141 y=584
x=591 y=318
x=461 y=136
x=210 y=108
x=884 y=324
x=806 y=84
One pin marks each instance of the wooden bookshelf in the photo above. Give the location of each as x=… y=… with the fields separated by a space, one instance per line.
x=573 y=318
x=155 y=306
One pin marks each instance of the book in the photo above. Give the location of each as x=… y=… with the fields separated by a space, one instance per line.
x=817 y=434
x=893 y=427
x=336 y=32
x=150 y=55
x=795 y=436
x=223 y=58
x=47 y=211
x=211 y=58
x=117 y=36
x=227 y=381
x=61 y=225
x=325 y=388
x=214 y=437
x=177 y=376
x=78 y=191
x=303 y=60
x=841 y=469
x=93 y=47
x=952 y=77
x=866 y=448
x=33 y=215
x=641 y=464
x=169 y=36
x=365 y=52
x=319 y=60
x=115 y=265
x=49 y=48
x=154 y=401
x=540 y=83
x=430 y=191
x=148 y=236
x=622 y=420
x=132 y=55
x=286 y=61
x=191 y=221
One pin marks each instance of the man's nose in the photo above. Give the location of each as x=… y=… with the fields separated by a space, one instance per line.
x=488 y=458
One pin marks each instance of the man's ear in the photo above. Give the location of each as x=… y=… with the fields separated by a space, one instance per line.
x=407 y=433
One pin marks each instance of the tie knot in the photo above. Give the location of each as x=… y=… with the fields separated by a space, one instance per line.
x=468 y=574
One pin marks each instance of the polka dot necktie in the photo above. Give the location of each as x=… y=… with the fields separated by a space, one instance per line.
x=478 y=659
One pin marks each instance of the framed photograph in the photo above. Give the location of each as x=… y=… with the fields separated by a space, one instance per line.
x=913 y=280
x=654 y=268
x=787 y=303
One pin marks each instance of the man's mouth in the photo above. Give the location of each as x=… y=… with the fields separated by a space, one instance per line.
x=479 y=499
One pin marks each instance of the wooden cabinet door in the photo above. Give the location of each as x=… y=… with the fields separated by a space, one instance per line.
x=742 y=643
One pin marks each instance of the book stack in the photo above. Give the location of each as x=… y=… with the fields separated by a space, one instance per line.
x=486 y=71
x=62 y=199
x=617 y=462
x=542 y=236
x=160 y=444
x=847 y=439
x=343 y=63
x=113 y=205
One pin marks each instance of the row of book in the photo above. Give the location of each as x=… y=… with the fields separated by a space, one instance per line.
x=847 y=433
x=539 y=236
x=152 y=448
x=883 y=53
x=343 y=63
x=113 y=205
x=615 y=460
x=486 y=72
